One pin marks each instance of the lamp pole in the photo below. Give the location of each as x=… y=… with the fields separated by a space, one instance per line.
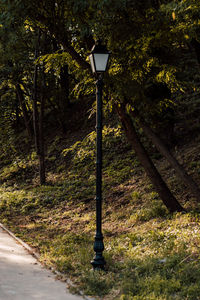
x=98 y=262
x=99 y=60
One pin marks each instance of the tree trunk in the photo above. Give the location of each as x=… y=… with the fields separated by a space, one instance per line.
x=64 y=99
x=20 y=95
x=188 y=181
x=62 y=39
x=38 y=121
x=41 y=142
x=75 y=55
x=168 y=199
x=196 y=45
x=35 y=111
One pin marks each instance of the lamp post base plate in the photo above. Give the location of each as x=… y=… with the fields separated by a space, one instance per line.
x=98 y=263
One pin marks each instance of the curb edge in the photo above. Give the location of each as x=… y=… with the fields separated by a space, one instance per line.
x=26 y=246
x=37 y=256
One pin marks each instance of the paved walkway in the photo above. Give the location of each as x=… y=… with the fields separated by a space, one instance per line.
x=23 y=278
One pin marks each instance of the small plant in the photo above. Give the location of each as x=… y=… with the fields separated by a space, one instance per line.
x=135 y=196
x=156 y=209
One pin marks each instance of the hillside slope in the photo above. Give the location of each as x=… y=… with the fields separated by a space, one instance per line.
x=150 y=254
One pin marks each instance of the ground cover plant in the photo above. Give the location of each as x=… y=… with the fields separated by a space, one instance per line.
x=150 y=253
x=47 y=135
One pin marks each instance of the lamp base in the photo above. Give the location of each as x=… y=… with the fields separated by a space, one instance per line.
x=98 y=262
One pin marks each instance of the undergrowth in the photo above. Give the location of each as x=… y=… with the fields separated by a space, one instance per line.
x=150 y=254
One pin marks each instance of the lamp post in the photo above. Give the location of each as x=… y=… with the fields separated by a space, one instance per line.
x=99 y=60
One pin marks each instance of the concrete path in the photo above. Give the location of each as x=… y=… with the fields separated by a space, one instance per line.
x=23 y=278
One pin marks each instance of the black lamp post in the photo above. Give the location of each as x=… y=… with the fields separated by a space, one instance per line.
x=99 y=60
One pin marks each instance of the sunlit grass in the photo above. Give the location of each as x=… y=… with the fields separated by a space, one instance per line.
x=150 y=254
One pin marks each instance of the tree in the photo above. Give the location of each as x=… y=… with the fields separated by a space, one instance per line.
x=168 y=199
x=145 y=43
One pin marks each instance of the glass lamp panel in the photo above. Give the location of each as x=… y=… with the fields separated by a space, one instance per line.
x=101 y=61
x=91 y=57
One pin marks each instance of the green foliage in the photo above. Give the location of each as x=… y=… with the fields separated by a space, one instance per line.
x=155 y=210
x=82 y=156
x=150 y=254
x=97 y=283
x=84 y=150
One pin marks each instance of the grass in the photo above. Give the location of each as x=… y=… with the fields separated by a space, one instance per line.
x=150 y=254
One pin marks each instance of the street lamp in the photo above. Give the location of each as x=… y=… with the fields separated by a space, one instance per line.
x=99 y=60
